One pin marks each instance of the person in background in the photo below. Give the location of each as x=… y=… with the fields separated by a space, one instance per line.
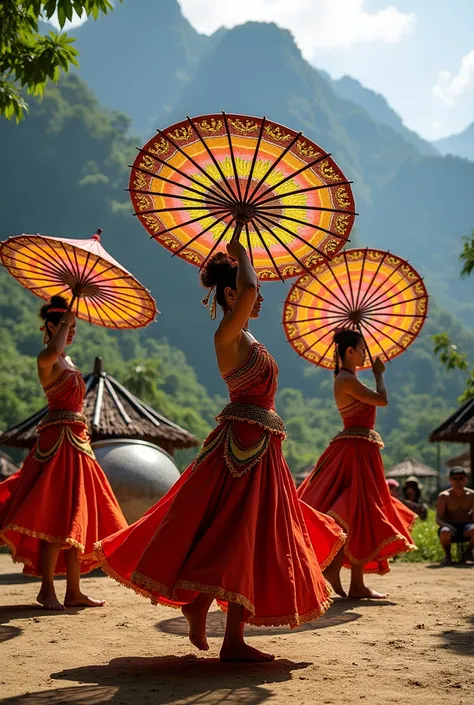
x=412 y=497
x=455 y=515
x=393 y=487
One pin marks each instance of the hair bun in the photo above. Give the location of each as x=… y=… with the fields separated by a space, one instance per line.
x=54 y=302
x=216 y=269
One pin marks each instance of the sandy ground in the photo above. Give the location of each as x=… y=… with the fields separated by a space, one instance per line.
x=415 y=647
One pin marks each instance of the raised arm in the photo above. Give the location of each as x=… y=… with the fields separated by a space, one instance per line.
x=352 y=386
x=56 y=345
x=233 y=322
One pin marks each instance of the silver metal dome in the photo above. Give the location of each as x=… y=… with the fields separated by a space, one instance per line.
x=140 y=473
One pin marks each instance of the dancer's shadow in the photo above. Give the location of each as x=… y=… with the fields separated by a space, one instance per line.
x=462 y=642
x=339 y=613
x=166 y=681
x=9 y=613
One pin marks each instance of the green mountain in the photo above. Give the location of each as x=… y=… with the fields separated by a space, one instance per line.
x=461 y=145
x=379 y=109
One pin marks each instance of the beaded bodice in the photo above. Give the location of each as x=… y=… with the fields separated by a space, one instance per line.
x=66 y=392
x=358 y=413
x=256 y=380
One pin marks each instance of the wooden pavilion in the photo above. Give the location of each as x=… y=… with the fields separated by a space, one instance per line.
x=457 y=428
x=111 y=412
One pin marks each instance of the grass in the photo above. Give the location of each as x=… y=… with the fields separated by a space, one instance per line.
x=425 y=536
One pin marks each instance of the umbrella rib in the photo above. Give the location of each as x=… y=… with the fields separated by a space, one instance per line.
x=338 y=306
x=84 y=269
x=232 y=157
x=183 y=208
x=398 y=344
x=383 y=299
x=75 y=273
x=290 y=176
x=111 y=267
x=374 y=276
x=212 y=225
x=254 y=161
x=247 y=232
x=264 y=225
x=117 y=310
x=276 y=197
x=29 y=266
x=310 y=332
x=361 y=278
x=174 y=183
x=390 y=325
x=188 y=222
x=262 y=240
x=86 y=304
x=98 y=312
x=337 y=317
x=194 y=163
x=217 y=243
x=344 y=254
x=188 y=176
x=327 y=349
x=311 y=308
x=164 y=194
x=276 y=224
x=396 y=315
x=126 y=304
x=272 y=167
x=76 y=261
x=377 y=309
x=367 y=329
x=370 y=300
x=60 y=267
x=302 y=208
x=305 y=224
x=211 y=154
x=341 y=289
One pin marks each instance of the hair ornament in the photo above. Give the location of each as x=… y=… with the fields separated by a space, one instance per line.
x=211 y=305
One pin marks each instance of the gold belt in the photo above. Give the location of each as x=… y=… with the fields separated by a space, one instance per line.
x=367 y=434
x=251 y=413
x=61 y=416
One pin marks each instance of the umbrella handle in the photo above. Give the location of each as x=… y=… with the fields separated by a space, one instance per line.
x=366 y=346
x=74 y=297
x=238 y=229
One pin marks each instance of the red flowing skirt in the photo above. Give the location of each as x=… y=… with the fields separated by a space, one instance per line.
x=241 y=537
x=348 y=483
x=61 y=496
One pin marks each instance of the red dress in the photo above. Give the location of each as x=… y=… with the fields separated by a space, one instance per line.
x=348 y=483
x=61 y=493
x=232 y=525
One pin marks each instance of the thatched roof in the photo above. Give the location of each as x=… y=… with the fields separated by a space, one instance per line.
x=458 y=428
x=410 y=466
x=462 y=460
x=7 y=466
x=111 y=412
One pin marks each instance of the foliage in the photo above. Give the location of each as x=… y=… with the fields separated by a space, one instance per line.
x=425 y=536
x=27 y=57
x=467 y=256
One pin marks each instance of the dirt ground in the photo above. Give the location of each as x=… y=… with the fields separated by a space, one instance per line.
x=415 y=647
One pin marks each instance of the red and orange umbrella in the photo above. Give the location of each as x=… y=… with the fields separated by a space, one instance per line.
x=103 y=292
x=372 y=291
x=206 y=180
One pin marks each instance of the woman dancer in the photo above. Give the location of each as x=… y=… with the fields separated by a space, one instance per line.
x=60 y=503
x=348 y=481
x=232 y=528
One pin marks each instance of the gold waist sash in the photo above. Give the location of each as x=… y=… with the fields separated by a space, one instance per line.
x=367 y=434
x=61 y=416
x=251 y=413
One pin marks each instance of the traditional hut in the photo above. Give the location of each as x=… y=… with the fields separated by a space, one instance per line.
x=462 y=460
x=457 y=428
x=133 y=443
x=7 y=466
x=410 y=467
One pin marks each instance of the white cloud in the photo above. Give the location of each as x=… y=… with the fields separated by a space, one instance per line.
x=450 y=88
x=315 y=24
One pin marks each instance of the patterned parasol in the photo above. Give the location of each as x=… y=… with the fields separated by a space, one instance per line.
x=206 y=180
x=368 y=290
x=103 y=291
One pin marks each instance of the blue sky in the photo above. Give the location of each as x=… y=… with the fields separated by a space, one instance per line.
x=418 y=53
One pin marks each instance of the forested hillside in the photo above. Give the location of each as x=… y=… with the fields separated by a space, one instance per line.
x=67 y=171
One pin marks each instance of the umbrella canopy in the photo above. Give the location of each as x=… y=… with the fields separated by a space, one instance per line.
x=104 y=293
x=111 y=412
x=411 y=467
x=372 y=291
x=207 y=179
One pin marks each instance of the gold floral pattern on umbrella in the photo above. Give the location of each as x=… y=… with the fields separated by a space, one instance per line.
x=206 y=180
x=372 y=291
x=103 y=292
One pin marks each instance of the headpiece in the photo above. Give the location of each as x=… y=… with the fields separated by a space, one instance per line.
x=206 y=301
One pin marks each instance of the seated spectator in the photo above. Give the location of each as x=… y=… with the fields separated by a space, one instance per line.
x=393 y=487
x=455 y=515
x=412 y=497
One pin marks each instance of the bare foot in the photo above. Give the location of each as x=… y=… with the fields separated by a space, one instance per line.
x=333 y=576
x=81 y=600
x=243 y=653
x=364 y=593
x=446 y=561
x=196 y=618
x=48 y=600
